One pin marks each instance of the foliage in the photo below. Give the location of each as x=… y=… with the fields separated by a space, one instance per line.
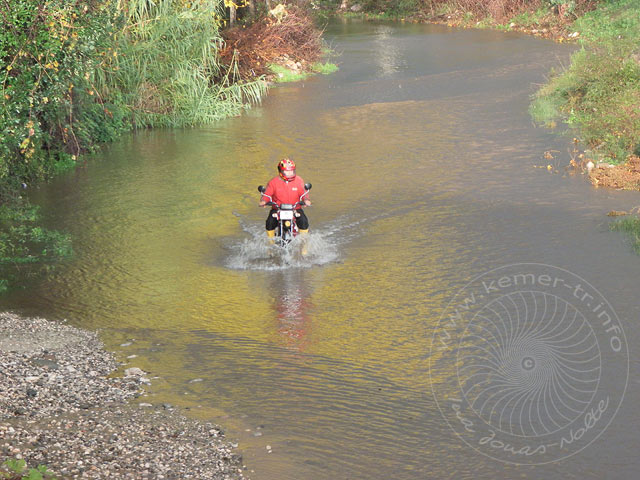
x=165 y=65
x=16 y=469
x=294 y=38
x=599 y=94
x=48 y=53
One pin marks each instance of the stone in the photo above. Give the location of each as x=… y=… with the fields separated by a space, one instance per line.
x=134 y=372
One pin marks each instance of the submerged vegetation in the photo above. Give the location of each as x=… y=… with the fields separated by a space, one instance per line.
x=630 y=226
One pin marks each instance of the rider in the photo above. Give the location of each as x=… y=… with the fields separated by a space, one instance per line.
x=285 y=188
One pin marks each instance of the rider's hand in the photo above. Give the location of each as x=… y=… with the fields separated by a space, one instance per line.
x=262 y=203
x=307 y=203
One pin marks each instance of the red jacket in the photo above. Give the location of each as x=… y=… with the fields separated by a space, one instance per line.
x=285 y=192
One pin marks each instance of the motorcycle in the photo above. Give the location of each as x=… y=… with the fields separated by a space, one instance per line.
x=286 y=214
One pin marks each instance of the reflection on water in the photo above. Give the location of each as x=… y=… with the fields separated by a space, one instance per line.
x=422 y=157
x=389 y=57
x=292 y=308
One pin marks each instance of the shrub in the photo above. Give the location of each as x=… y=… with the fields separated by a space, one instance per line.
x=48 y=54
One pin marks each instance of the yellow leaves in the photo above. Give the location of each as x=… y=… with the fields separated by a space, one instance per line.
x=45 y=100
x=24 y=145
x=9 y=68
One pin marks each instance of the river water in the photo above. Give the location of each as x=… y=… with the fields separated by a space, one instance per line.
x=428 y=175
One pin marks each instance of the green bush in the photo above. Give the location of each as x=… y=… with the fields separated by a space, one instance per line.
x=48 y=54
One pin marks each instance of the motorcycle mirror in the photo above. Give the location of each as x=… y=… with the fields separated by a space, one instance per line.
x=307 y=186
x=261 y=189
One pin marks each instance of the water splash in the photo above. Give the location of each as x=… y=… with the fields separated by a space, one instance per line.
x=257 y=253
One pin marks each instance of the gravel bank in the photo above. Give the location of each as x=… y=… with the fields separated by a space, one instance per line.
x=58 y=408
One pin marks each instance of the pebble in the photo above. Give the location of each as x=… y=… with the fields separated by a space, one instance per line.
x=61 y=407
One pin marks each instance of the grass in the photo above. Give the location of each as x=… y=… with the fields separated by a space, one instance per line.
x=284 y=75
x=167 y=66
x=528 y=18
x=598 y=95
x=630 y=226
x=326 y=68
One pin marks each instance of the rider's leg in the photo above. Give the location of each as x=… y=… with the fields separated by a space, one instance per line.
x=271 y=225
x=303 y=229
x=302 y=221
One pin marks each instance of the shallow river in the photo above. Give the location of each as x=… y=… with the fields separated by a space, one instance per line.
x=429 y=180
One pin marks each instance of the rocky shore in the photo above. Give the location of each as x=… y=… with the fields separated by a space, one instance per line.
x=58 y=408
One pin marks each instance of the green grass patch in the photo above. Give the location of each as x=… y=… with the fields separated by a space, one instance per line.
x=284 y=74
x=529 y=18
x=630 y=226
x=326 y=68
x=599 y=93
x=615 y=21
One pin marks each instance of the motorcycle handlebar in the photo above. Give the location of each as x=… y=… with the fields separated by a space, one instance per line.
x=273 y=204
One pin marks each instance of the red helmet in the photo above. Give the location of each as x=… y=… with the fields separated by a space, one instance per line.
x=287 y=169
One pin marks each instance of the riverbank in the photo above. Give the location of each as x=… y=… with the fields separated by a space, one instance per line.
x=61 y=406
x=596 y=98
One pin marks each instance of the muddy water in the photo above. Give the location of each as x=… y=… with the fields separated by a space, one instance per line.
x=427 y=172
